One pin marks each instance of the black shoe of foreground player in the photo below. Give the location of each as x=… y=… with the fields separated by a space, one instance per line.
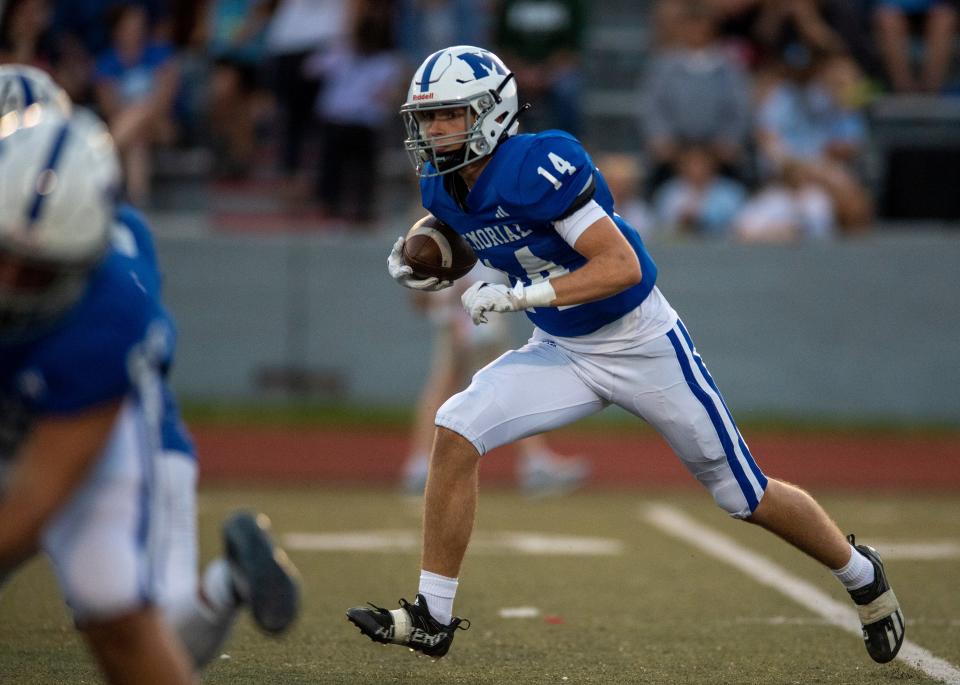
x=883 y=626
x=410 y=625
x=263 y=576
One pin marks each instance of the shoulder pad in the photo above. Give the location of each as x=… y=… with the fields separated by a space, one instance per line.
x=550 y=176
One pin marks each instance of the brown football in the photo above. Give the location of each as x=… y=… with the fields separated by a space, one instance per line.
x=432 y=248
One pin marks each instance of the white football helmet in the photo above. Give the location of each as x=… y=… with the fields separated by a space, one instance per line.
x=59 y=179
x=466 y=77
x=22 y=87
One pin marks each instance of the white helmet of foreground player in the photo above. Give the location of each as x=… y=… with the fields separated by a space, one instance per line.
x=58 y=183
x=459 y=77
x=22 y=87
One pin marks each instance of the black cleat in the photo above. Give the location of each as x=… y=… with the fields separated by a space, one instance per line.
x=883 y=626
x=263 y=576
x=410 y=625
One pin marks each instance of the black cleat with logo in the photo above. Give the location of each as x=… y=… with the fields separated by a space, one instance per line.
x=883 y=626
x=410 y=625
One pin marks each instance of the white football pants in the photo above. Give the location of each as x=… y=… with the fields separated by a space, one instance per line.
x=127 y=539
x=543 y=386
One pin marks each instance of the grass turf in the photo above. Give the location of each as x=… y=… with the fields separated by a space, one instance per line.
x=659 y=612
x=344 y=415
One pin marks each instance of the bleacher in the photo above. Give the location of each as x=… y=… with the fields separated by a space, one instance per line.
x=913 y=138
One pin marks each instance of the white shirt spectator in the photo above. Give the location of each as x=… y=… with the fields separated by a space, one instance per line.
x=303 y=25
x=779 y=213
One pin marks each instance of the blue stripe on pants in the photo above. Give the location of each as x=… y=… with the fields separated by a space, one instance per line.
x=742 y=480
x=758 y=474
x=146 y=455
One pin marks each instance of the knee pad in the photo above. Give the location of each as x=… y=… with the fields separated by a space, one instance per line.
x=472 y=413
x=725 y=491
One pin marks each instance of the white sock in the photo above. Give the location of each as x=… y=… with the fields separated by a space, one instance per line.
x=858 y=572
x=439 y=592
x=217 y=586
x=203 y=619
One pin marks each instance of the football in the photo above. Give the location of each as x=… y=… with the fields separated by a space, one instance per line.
x=432 y=248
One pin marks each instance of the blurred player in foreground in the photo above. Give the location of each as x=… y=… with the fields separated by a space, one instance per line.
x=536 y=208
x=459 y=348
x=109 y=342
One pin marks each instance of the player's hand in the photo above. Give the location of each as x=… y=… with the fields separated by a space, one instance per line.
x=492 y=297
x=403 y=274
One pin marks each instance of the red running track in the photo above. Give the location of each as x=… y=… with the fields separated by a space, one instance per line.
x=622 y=459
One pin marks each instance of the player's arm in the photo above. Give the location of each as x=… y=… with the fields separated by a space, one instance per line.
x=612 y=265
x=49 y=466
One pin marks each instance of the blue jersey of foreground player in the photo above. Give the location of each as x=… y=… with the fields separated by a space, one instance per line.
x=116 y=341
x=531 y=181
x=133 y=239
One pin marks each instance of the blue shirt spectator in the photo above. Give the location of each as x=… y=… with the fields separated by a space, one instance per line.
x=698 y=200
x=134 y=80
x=815 y=121
x=425 y=26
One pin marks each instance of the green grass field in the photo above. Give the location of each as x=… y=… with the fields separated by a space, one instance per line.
x=655 y=610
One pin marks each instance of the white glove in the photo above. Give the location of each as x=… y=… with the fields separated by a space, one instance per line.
x=403 y=274
x=492 y=297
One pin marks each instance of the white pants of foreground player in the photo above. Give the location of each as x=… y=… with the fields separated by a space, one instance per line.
x=546 y=385
x=127 y=539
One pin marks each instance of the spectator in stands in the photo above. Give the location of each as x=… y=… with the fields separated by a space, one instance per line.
x=425 y=26
x=818 y=126
x=624 y=177
x=792 y=31
x=88 y=20
x=790 y=208
x=363 y=79
x=695 y=92
x=28 y=36
x=894 y=21
x=299 y=29
x=236 y=32
x=136 y=82
x=25 y=36
x=698 y=201
x=542 y=41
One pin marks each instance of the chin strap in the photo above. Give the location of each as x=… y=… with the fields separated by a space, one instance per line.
x=506 y=129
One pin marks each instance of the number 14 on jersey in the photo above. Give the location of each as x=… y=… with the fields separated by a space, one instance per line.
x=561 y=165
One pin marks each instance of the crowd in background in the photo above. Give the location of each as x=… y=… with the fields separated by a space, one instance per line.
x=751 y=112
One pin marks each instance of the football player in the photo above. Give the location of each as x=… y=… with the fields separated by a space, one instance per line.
x=252 y=571
x=81 y=348
x=535 y=207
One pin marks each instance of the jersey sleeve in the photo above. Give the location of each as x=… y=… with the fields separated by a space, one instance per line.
x=555 y=178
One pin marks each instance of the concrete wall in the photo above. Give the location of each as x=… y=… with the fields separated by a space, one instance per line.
x=869 y=328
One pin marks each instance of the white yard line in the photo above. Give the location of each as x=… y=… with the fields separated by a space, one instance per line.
x=676 y=523
x=930 y=550
x=502 y=542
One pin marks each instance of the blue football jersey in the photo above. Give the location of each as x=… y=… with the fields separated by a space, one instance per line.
x=116 y=341
x=133 y=239
x=531 y=181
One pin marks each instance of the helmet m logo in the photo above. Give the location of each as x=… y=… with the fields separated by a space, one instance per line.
x=482 y=63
